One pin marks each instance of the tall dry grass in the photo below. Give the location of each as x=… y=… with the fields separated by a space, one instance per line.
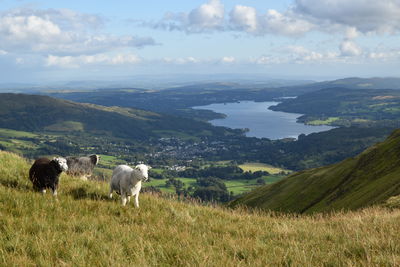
x=83 y=228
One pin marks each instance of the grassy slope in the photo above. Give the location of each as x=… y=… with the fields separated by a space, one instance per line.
x=36 y=113
x=371 y=177
x=83 y=228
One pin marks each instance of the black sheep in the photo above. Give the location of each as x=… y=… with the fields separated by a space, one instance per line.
x=45 y=173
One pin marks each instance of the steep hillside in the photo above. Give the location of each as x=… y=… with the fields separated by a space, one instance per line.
x=42 y=113
x=83 y=228
x=370 y=178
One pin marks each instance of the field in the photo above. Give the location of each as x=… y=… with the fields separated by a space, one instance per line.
x=323 y=122
x=255 y=166
x=83 y=228
x=235 y=186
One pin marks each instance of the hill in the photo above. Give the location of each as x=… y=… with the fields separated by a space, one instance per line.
x=35 y=113
x=354 y=83
x=344 y=107
x=180 y=100
x=370 y=178
x=83 y=228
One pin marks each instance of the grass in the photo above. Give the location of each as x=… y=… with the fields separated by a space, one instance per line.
x=243 y=186
x=235 y=186
x=14 y=133
x=160 y=184
x=83 y=228
x=255 y=166
x=323 y=122
x=65 y=126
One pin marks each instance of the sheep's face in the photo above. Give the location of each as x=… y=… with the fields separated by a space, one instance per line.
x=62 y=162
x=144 y=169
x=95 y=159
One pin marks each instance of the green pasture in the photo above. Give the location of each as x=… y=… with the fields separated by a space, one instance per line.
x=256 y=166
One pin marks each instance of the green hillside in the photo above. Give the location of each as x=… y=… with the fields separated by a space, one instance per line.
x=370 y=178
x=35 y=113
x=344 y=107
x=83 y=228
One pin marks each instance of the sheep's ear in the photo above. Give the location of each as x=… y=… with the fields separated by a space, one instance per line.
x=150 y=167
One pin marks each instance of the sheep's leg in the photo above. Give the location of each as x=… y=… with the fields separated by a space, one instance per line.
x=137 y=200
x=123 y=199
x=54 y=189
x=111 y=192
x=43 y=191
x=129 y=199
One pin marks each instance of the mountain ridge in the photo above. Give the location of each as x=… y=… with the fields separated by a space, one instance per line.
x=36 y=112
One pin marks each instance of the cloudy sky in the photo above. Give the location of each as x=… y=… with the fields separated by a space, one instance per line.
x=63 y=40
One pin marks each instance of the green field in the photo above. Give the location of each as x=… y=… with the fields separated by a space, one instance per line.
x=236 y=186
x=255 y=166
x=243 y=186
x=160 y=184
x=65 y=126
x=323 y=122
x=16 y=134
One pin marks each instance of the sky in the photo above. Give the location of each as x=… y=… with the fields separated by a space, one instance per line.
x=48 y=41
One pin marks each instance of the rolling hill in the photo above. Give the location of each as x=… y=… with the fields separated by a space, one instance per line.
x=82 y=227
x=370 y=178
x=344 y=107
x=354 y=83
x=36 y=113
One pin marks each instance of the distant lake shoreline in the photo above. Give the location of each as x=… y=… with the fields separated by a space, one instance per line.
x=261 y=121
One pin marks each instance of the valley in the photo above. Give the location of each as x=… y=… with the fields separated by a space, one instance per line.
x=180 y=136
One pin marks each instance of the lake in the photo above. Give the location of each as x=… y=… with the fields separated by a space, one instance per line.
x=261 y=121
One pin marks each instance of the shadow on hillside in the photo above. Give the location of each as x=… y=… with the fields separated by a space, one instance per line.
x=82 y=193
x=15 y=185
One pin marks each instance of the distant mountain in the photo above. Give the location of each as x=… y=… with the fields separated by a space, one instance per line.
x=370 y=178
x=355 y=83
x=35 y=113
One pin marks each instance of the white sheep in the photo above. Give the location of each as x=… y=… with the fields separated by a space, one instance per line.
x=127 y=182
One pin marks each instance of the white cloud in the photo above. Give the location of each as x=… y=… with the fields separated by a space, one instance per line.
x=98 y=59
x=19 y=61
x=228 y=59
x=351 y=33
x=283 y=24
x=19 y=28
x=210 y=17
x=207 y=16
x=344 y=16
x=269 y=60
x=181 y=60
x=386 y=55
x=296 y=54
x=244 y=18
x=59 y=32
x=2 y=52
x=364 y=15
x=350 y=48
